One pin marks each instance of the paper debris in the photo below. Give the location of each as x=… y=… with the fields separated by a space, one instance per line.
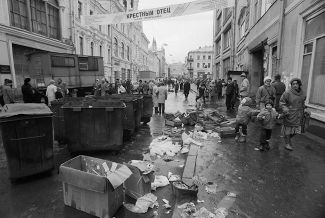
x=185 y=150
x=173 y=177
x=211 y=189
x=164 y=145
x=199 y=180
x=230 y=194
x=200 y=201
x=166 y=205
x=142 y=205
x=188 y=209
x=160 y=181
x=181 y=166
x=221 y=212
x=204 y=213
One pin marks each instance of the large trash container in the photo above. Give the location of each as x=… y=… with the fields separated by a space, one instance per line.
x=58 y=118
x=94 y=125
x=131 y=118
x=27 y=135
x=147 y=109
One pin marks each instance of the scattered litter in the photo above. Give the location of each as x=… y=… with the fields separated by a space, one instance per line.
x=230 y=194
x=166 y=205
x=239 y=177
x=214 y=135
x=221 y=212
x=142 y=205
x=155 y=213
x=211 y=189
x=167 y=212
x=199 y=180
x=185 y=150
x=256 y=149
x=146 y=157
x=198 y=127
x=173 y=177
x=144 y=166
x=188 y=140
x=168 y=158
x=181 y=166
x=160 y=181
x=200 y=135
x=200 y=201
x=188 y=209
x=204 y=213
x=164 y=145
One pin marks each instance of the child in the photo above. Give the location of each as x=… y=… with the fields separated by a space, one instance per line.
x=267 y=116
x=243 y=116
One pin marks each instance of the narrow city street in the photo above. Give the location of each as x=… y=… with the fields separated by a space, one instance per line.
x=277 y=183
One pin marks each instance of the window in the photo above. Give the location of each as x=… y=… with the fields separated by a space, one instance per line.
x=100 y=51
x=198 y=57
x=108 y=29
x=100 y=28
x=228 y=12
x=88 y=63
x=218 y=27
x=313 y=60
x=203 y=57
x=131 y=4
x=115 y=47
x=81 y=45
x=198 y=65
x=59 y=61
x=53 y=15
x=122 y=50
x=218 y=69
x=38 y=16
x=209 y=57
x=18 y=14
x=227 y=39
x=91 y=12
x=109 y=55
x=79 y=9
x=92 y=49
x=209 y=65
x=226 y=66
x=218 y=47
x=128 y=53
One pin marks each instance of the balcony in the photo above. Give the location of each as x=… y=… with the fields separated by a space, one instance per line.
x=190 y=68
x=190 y=59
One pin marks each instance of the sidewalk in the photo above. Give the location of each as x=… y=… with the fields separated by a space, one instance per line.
x=277 y=183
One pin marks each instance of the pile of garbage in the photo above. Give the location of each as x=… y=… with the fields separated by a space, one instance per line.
x=164 y=146
x=177 y=119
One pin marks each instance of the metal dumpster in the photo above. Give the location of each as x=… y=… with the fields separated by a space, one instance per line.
x=147 y=109
x=27 y=135
x=94 y=125
x=58 y=118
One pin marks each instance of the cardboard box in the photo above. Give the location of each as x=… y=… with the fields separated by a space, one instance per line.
x=226 y=132
x=138 y=184
x=87 y=188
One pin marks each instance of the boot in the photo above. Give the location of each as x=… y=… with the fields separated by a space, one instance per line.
x=288 y=147
x=261 y=148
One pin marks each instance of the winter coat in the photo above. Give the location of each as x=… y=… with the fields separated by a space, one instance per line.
x=268 y=118
x=162 y=94
x=176 y=87
x=245 y=112
x=8 y=94
x=265 y=93
x=293 y=105
x=28 y=95
x=155 y=95
x=187 y=87
x=244 y=87
x=50 y=93
x=230 y=90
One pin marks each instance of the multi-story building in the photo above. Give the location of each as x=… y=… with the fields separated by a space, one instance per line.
x=199 y=63
x=223 y=45
x=285 y=37
x=27 y=26
x=176 y=69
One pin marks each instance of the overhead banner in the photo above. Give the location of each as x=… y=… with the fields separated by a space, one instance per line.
x=176 y=10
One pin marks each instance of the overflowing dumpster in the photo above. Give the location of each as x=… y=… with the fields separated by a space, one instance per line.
x=27 y=135
x=147 y=109
x=94 y=125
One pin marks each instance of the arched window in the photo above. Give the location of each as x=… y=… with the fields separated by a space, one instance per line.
x=122 y=50
x=115 y=47
x=92 y=49
x=128 y=53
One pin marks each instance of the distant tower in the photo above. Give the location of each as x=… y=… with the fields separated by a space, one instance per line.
x=154 y=45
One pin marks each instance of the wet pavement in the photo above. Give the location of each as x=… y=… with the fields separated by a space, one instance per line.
x=277 y=183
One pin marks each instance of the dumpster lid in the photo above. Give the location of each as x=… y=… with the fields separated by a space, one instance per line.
x=95 y=104
x=10 y=110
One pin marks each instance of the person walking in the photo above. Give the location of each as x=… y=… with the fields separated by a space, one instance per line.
x=265 y=93
x=155 y=97
x=50 y=92
x=292 y=103
x=2 y=103
x=8 y=92
x=202 y=90
x=181 y=85
x=219 y=89
x=162 y=97
x=187 y=88
x=176 y=87
x=140 y=87
x=145 y=88
x=230 y=91
x=280 y=88
x=244 y=86
x=120 y=89
x=27 y=91
x=267 y=116
x=236 y=95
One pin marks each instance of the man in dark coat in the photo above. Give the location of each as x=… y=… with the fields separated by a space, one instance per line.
x=219 y=89
x=230 y=91
x=187 y=88
x=28 y=92
x=280 y=88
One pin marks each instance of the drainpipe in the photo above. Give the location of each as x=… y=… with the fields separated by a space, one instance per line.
x=73 y=39
x=234 y=35
x=280 y=38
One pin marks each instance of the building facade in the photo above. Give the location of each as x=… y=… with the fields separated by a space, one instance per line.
x=199 y=63
x=176 y=69
x=278 y=37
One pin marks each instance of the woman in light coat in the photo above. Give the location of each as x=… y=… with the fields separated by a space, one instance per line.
x=162 y=97
x=155 y=97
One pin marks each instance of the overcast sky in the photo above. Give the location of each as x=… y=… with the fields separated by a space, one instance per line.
x=182 y=34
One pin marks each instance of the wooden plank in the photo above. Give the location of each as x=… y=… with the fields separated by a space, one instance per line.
x=189 y=168
x=193 y=150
